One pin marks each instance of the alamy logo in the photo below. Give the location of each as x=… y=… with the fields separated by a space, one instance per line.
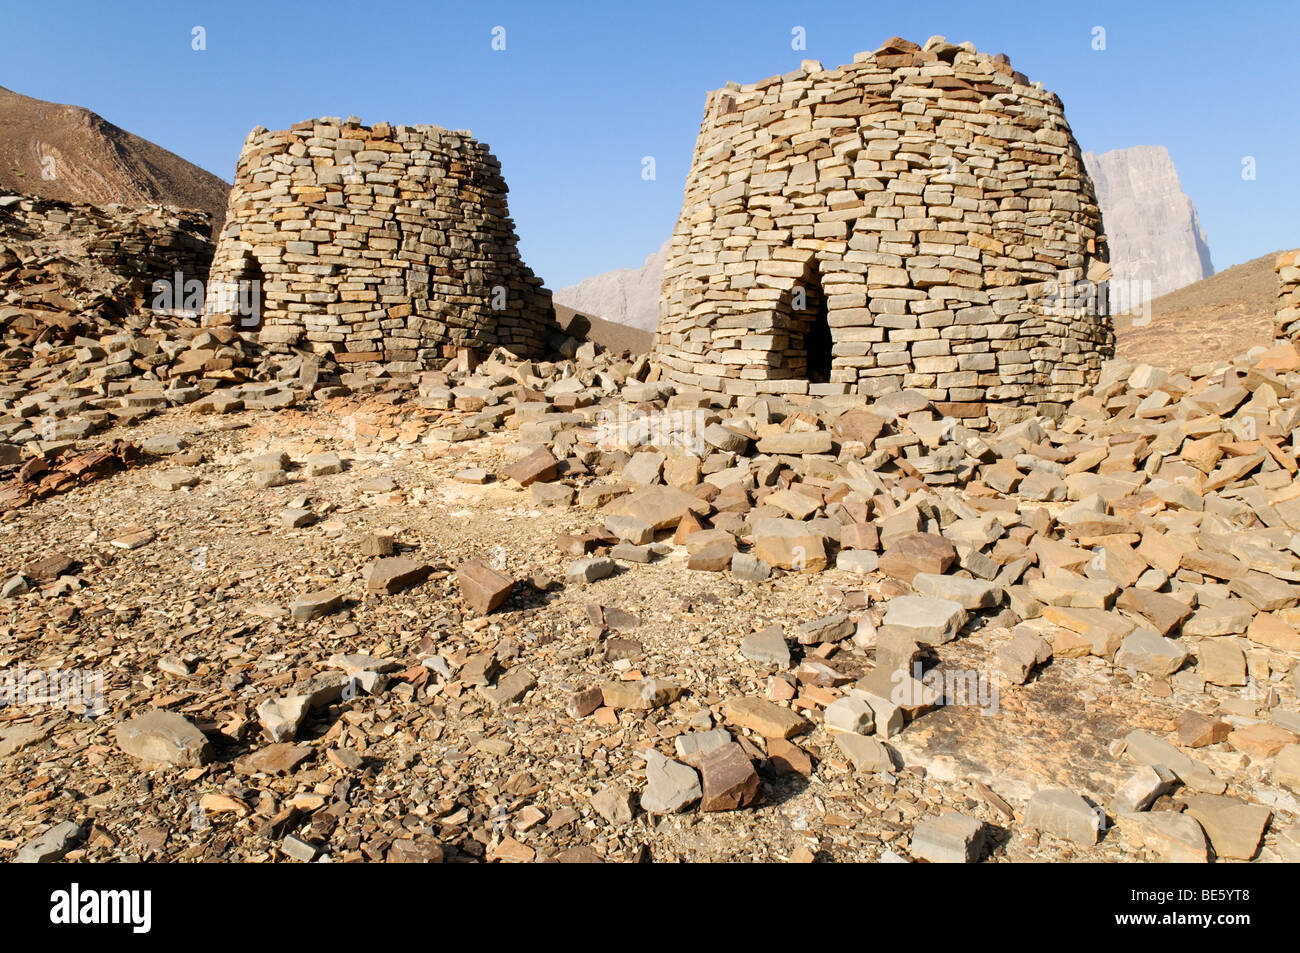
x=76 y=906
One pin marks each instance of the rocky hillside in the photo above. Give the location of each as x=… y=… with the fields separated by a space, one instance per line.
x=1153 y=228
x=94 y=161
x=1208 y=320
x=1155 y=234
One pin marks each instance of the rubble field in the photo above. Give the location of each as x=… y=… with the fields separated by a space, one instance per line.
x=531 y=611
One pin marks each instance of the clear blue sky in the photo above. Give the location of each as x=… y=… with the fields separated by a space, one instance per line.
x=583 y=91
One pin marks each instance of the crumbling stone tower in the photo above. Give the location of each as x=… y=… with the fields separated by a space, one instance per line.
x=376 y=244
x=900 y=222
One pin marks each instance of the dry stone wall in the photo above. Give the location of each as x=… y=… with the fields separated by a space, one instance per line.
x=899 y=222
x=377 y=244
x=1288 y=296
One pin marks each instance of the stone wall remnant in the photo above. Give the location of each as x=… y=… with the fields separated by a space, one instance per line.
x=73 y=258
x=1288 y=296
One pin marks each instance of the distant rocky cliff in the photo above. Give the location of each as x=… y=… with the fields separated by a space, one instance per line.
x=626 y=295
x=1153 y=228
x=1154 y=232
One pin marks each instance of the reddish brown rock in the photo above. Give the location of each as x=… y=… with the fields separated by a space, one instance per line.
x=394 y=574
x=920 y=552
x=1196 y=730
x=860 y=536
x=859 y=425
x=715 y=556
x=1165 y=613
x=377 y=544
x=49 y=568
x=482 y=587
x=538 y=466
x=786 y=758
x=583 y=703
x=730 y=781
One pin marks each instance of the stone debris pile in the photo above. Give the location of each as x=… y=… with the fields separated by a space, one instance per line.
x=62 y=263
x=1152 y=525
x=1147 y=534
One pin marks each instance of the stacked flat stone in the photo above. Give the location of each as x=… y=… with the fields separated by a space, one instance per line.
x=1288 y=296
x=928 y=198
x=377 y=244
x=75 y=258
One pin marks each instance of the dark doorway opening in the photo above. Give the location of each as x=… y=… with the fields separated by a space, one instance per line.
x=817 y=343
x=243 y=298
x=809 y=348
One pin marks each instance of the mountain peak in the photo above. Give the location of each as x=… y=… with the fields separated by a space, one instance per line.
x=73 y=154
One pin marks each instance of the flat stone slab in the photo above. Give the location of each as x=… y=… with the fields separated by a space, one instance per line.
x=1163 y=613
x=950 y=838
x=767 y=647
x=539 y=466
x=163 y=737
x=850 y=714
x=173 y=480
x=1174 y=838
x=1067 y=589
x=1065 y=814
x=812 y=441
x=280 y=758
x=1235 y=828
x=789 y=544
x=917 y=553
x=643 y=468
x=313 y=605
x=614 y=803
x=1148 y=652
x=630 y=529
x=324 y=464
x=764 y=717
x=860 y=561
x=749 y=567
x=972 y=594
x=52 y=845
x=511 y=687
x=660 y=506
x=1145 y=748
x=694 y=746
x=49 y=568
x=868 y=755
x=928 y=620
x=671 y=786
x=830 y=628
x=589 y=570
x=395 y=573
x=641 y=694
